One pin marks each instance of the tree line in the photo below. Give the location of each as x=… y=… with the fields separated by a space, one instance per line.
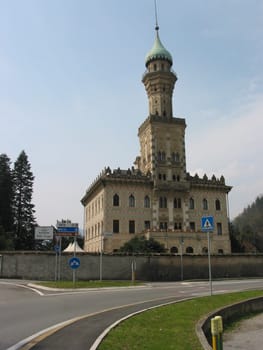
x=17 y=220
x=246 y=230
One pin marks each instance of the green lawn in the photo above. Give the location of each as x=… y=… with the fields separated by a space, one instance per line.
x=88 y=284
x=169 y=327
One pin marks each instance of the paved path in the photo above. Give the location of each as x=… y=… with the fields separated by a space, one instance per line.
x=247 y=336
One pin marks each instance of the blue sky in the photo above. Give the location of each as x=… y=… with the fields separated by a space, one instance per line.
x=71 y=94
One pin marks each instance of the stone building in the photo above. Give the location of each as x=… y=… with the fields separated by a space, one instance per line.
x=157 y=197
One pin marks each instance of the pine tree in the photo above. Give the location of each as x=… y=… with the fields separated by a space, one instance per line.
x=24 y=220
x=6 y=196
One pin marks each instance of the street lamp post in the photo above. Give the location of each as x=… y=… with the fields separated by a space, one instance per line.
x=182 y=266
x=101 y=248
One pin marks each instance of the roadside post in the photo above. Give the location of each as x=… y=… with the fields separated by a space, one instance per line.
x=217 y=332
x=103 y=235
x=74 y=264
x=214 y=332
x=66 y=228
x=56 y=248
x=133 y=268
x=207 y=225
x=181 y=258
x=46 y=233
x=219 y=320
x=1 y=264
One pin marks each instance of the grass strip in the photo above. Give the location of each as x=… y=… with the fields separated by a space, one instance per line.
x=169 y=327
x=88 y=284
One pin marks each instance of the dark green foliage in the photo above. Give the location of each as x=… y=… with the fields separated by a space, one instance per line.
x=6 y=194
x=24 y=220
x=142 y=245
x=6 y=240
x=236 y=245
x=248 y=227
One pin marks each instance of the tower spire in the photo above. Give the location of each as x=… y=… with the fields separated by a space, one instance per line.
x=156 y=17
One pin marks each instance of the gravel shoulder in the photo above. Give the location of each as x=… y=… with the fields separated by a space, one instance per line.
x=247 y=335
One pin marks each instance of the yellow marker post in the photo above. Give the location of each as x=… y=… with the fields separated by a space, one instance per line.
x=219 y=320
x=214 y=332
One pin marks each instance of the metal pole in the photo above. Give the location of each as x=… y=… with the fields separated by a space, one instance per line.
x=74 y=270
x=182 y=267
x=56 y=266
x=59 y=258
x=101 y=247
x=209 y=262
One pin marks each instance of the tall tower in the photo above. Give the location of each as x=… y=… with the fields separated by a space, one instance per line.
x=162 y=146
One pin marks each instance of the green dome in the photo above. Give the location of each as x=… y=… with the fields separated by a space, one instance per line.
x=158 y=52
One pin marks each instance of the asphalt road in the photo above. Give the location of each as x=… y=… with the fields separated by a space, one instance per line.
x=25 y=312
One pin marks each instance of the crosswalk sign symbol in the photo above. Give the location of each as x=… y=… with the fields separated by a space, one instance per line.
x=207 y=223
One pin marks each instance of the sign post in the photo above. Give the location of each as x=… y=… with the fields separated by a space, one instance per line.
x=103 y=235
x=66 y=228
x=207 y=225
x=74 y=263
x=181 y=256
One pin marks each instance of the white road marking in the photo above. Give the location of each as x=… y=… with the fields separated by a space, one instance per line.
x=24 y=286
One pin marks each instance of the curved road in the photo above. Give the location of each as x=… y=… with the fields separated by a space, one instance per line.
x=25 y=311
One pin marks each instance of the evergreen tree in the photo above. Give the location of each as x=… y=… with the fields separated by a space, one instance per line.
x=248 y=226
x=6 y=194
x=24 y=220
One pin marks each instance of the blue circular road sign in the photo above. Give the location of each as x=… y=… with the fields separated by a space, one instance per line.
x=74 y=263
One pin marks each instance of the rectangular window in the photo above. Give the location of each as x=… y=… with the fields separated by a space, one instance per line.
x=147 y=225
x=219 y=228
x=163 y=226
x=115 y=227
x=131 y=226
x=177 y=225
x=192 y=226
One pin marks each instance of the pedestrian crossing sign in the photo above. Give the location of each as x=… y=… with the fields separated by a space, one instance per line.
x=207 y=223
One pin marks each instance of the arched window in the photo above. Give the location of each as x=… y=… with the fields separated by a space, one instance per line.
x=116 y=200
x=163 y=156
x=174 y=250
x=163 y=226
x=131 y=201
x=147 y=202
x=218 y=204
x=220 y=251
x=189 y=250
x=204 y=250
x=179 y=203
x=191 y=203
x=177 y=225
x=205 y=204
x=162 y=202
x=175 y=157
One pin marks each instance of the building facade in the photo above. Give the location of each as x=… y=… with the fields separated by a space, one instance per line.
x=157 y=197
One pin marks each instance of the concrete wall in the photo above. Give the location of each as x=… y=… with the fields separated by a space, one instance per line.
x=41 y=266
x=228 y=314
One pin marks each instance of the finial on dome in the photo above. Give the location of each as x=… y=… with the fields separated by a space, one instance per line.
x=156 y=17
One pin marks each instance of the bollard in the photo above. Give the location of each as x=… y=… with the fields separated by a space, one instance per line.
x=219 y=320
x=214 y=332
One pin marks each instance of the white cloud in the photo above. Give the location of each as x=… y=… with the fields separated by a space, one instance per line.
x=232 y=148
